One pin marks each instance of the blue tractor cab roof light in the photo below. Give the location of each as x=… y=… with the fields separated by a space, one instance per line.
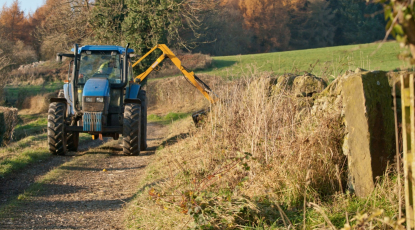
x=119 y=49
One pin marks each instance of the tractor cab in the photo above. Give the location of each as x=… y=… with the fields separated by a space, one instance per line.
x=101 y=81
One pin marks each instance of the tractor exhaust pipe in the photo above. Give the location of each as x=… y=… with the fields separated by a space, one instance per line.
x=73 y=83
x=125 y=75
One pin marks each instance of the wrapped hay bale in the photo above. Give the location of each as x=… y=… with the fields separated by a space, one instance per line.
x=8 y=120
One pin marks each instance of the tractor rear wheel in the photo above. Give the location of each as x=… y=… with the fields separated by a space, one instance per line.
x=131 y=129
x=72 y=141
x=56 y=128
x=143 y=98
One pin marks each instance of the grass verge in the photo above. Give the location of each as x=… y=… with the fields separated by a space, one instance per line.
x=32 y=149
x=20 y=161
x=29 y=129
x=168 y=118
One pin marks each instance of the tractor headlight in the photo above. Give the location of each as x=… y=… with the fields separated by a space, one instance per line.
x=89 y=99
x=100 y=99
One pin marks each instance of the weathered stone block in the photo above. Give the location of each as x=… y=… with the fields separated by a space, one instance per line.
x=301 y=86
x=307 y=85
x=369 y=121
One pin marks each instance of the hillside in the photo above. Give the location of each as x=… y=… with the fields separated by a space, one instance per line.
x=325 y=62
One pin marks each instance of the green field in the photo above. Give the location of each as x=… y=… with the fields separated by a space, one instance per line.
x=323 y=62
x=328 y=62
x=15 y=93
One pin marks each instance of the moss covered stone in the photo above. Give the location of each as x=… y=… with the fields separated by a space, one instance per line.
x=369 y=121
x=307 y=85
x=301 y=86
x=363 y=102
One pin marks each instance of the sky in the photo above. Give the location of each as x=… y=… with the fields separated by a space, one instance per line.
x=28 y=6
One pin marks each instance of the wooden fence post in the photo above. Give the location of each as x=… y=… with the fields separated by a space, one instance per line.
x=408 y=135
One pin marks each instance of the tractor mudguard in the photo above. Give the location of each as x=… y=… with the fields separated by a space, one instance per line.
x=133 y=90
x=131 y=100
x=57 y=99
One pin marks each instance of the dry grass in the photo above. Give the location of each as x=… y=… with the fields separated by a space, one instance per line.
x=177 y=95
x=256 y=146
x=37 y=104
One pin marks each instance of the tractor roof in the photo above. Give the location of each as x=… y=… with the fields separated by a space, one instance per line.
x=119 y=49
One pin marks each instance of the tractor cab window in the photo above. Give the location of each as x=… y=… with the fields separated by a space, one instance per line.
x=100 y=65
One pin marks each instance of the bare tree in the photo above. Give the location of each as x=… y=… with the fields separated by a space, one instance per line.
x=66 y=23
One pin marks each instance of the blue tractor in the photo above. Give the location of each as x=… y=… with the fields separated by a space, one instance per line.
x=103 y=98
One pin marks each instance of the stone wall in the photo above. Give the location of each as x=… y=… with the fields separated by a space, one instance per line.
x=362 y=101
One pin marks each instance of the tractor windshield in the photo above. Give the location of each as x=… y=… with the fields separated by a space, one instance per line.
x=100 y=65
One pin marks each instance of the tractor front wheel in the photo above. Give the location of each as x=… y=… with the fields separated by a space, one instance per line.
x=131 y=129
x=56 y=128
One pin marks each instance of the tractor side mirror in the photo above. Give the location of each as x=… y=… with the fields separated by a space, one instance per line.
x=59 y=57
x=69 y=70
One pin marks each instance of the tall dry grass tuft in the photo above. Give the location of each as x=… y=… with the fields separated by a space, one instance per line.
x=177 y=95
x=38 y=103
x=258 y=148
x=285 y=142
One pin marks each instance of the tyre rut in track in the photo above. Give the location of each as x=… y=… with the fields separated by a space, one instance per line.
x=16 y=183
x=85 y=196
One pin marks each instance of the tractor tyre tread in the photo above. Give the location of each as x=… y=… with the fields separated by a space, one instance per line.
x=143 y=98
x=72 y=141
x=56 y=125
x=131 y=129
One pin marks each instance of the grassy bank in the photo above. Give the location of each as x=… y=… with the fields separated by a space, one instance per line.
x=168 y=118
x=30 y=129
x=261 y=161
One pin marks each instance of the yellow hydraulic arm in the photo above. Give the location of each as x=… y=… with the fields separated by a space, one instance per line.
x=169 y=54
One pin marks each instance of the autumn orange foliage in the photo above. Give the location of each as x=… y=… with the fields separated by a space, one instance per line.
x=268 y=19
x=13 y=23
